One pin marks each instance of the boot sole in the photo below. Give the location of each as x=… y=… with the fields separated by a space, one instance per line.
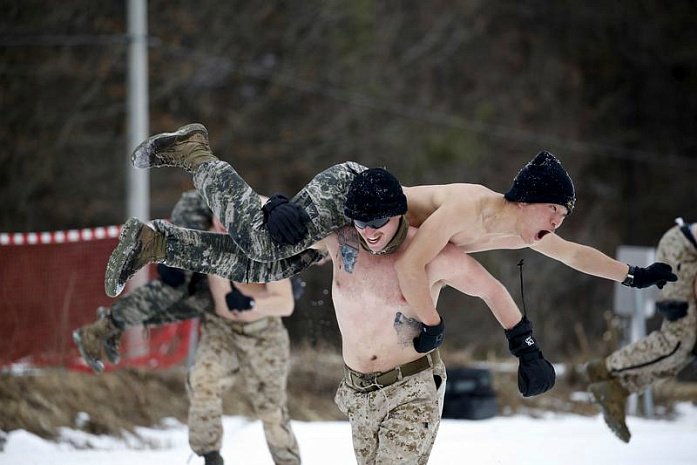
x=145 y=155
x=114 y=281
x=622 y=434
x=96 y=365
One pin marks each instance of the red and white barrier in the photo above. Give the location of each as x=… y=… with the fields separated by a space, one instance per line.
x=60 y=237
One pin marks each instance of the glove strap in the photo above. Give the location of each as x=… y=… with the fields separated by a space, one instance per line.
x=629 y=280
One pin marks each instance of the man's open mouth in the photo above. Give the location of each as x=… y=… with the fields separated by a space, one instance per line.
x=541 y=234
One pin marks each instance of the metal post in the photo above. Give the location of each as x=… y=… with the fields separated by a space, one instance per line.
x=138 y=128
x=138 y=184
x=638 y=332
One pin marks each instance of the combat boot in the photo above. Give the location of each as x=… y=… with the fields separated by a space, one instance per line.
x=90 y=340
x=138 y=245
x=596 y=370
x=111 y=345
x=213 y=458
x=611 y=398
x=185 y=148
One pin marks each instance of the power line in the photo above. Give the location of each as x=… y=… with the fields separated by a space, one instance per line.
x=69 y=40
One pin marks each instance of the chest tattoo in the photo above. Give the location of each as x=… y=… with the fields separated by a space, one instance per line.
x=348 y=248
x=406 y=328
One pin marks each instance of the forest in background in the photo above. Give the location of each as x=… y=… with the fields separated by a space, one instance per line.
x=437 y=92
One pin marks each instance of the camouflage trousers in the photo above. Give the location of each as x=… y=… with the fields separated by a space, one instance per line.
x=238 y=207
x=157 y=303
x=256 y=360
x=666 y=351
x=213 y=253
x=398 y=423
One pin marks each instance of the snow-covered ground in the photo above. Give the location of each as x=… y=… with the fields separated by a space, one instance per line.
x=518 y=440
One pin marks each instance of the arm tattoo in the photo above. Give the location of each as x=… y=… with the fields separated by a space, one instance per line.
x=348 y=247
x=407 y=328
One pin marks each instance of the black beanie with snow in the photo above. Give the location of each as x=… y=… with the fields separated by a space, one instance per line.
x=543 y=180
x=374 y=193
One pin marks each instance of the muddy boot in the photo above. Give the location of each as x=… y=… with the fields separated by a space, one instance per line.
x=213 y=458
x=611 y=397
x=596 y=370
x=185 y=148
x=138 y=245
x=90 y=340
x=111 y=345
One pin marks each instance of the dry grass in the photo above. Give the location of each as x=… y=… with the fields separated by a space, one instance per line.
x=120 y=400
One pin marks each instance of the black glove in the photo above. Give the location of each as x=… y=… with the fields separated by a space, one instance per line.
x=535 y=374
x=171 y=276
x=672 y=309
x=285 y=220
x=430 y=337
x=237 y=301
x=657 y=273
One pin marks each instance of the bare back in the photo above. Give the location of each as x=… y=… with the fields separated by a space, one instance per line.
x=469 y=216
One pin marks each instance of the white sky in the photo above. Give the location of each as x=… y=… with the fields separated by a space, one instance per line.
x=519 y=440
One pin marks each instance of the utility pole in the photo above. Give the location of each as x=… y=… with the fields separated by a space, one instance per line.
x=138 y=184
x=138 y=192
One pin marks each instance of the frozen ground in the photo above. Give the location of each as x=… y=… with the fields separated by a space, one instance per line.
x=554 y=439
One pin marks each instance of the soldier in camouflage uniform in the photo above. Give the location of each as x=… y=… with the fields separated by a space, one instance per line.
x=243 y=342
x=664 y=352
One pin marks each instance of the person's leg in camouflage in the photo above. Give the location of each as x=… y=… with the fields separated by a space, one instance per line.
x=153 y=304
x=265 y=365
x=661 y=354
x=398 y=423
x=236 y=204
x=200 y=251
x=238 y=207
x=216 y=367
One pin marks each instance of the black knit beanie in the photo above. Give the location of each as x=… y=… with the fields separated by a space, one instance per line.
x=375 y=193
x=543 y=180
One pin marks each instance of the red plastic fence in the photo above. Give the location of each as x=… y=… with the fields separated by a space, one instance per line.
x=52 y=283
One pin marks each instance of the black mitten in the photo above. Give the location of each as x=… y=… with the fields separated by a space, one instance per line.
x=237 y=301
x=535 y=374
x=171 y=276
x=285 y=220
x=657 y=273
x=430 y=337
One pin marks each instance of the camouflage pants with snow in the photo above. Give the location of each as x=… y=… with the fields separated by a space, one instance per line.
x=398 y=423
x=248 y=254
x=157 y=303
x=238 y=207
x=254 y=359
x=666 y=351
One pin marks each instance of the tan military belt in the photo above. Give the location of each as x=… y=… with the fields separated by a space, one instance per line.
x=250 y=328
x=369 y=382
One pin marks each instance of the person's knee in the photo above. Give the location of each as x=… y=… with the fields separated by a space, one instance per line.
x=272 y=415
